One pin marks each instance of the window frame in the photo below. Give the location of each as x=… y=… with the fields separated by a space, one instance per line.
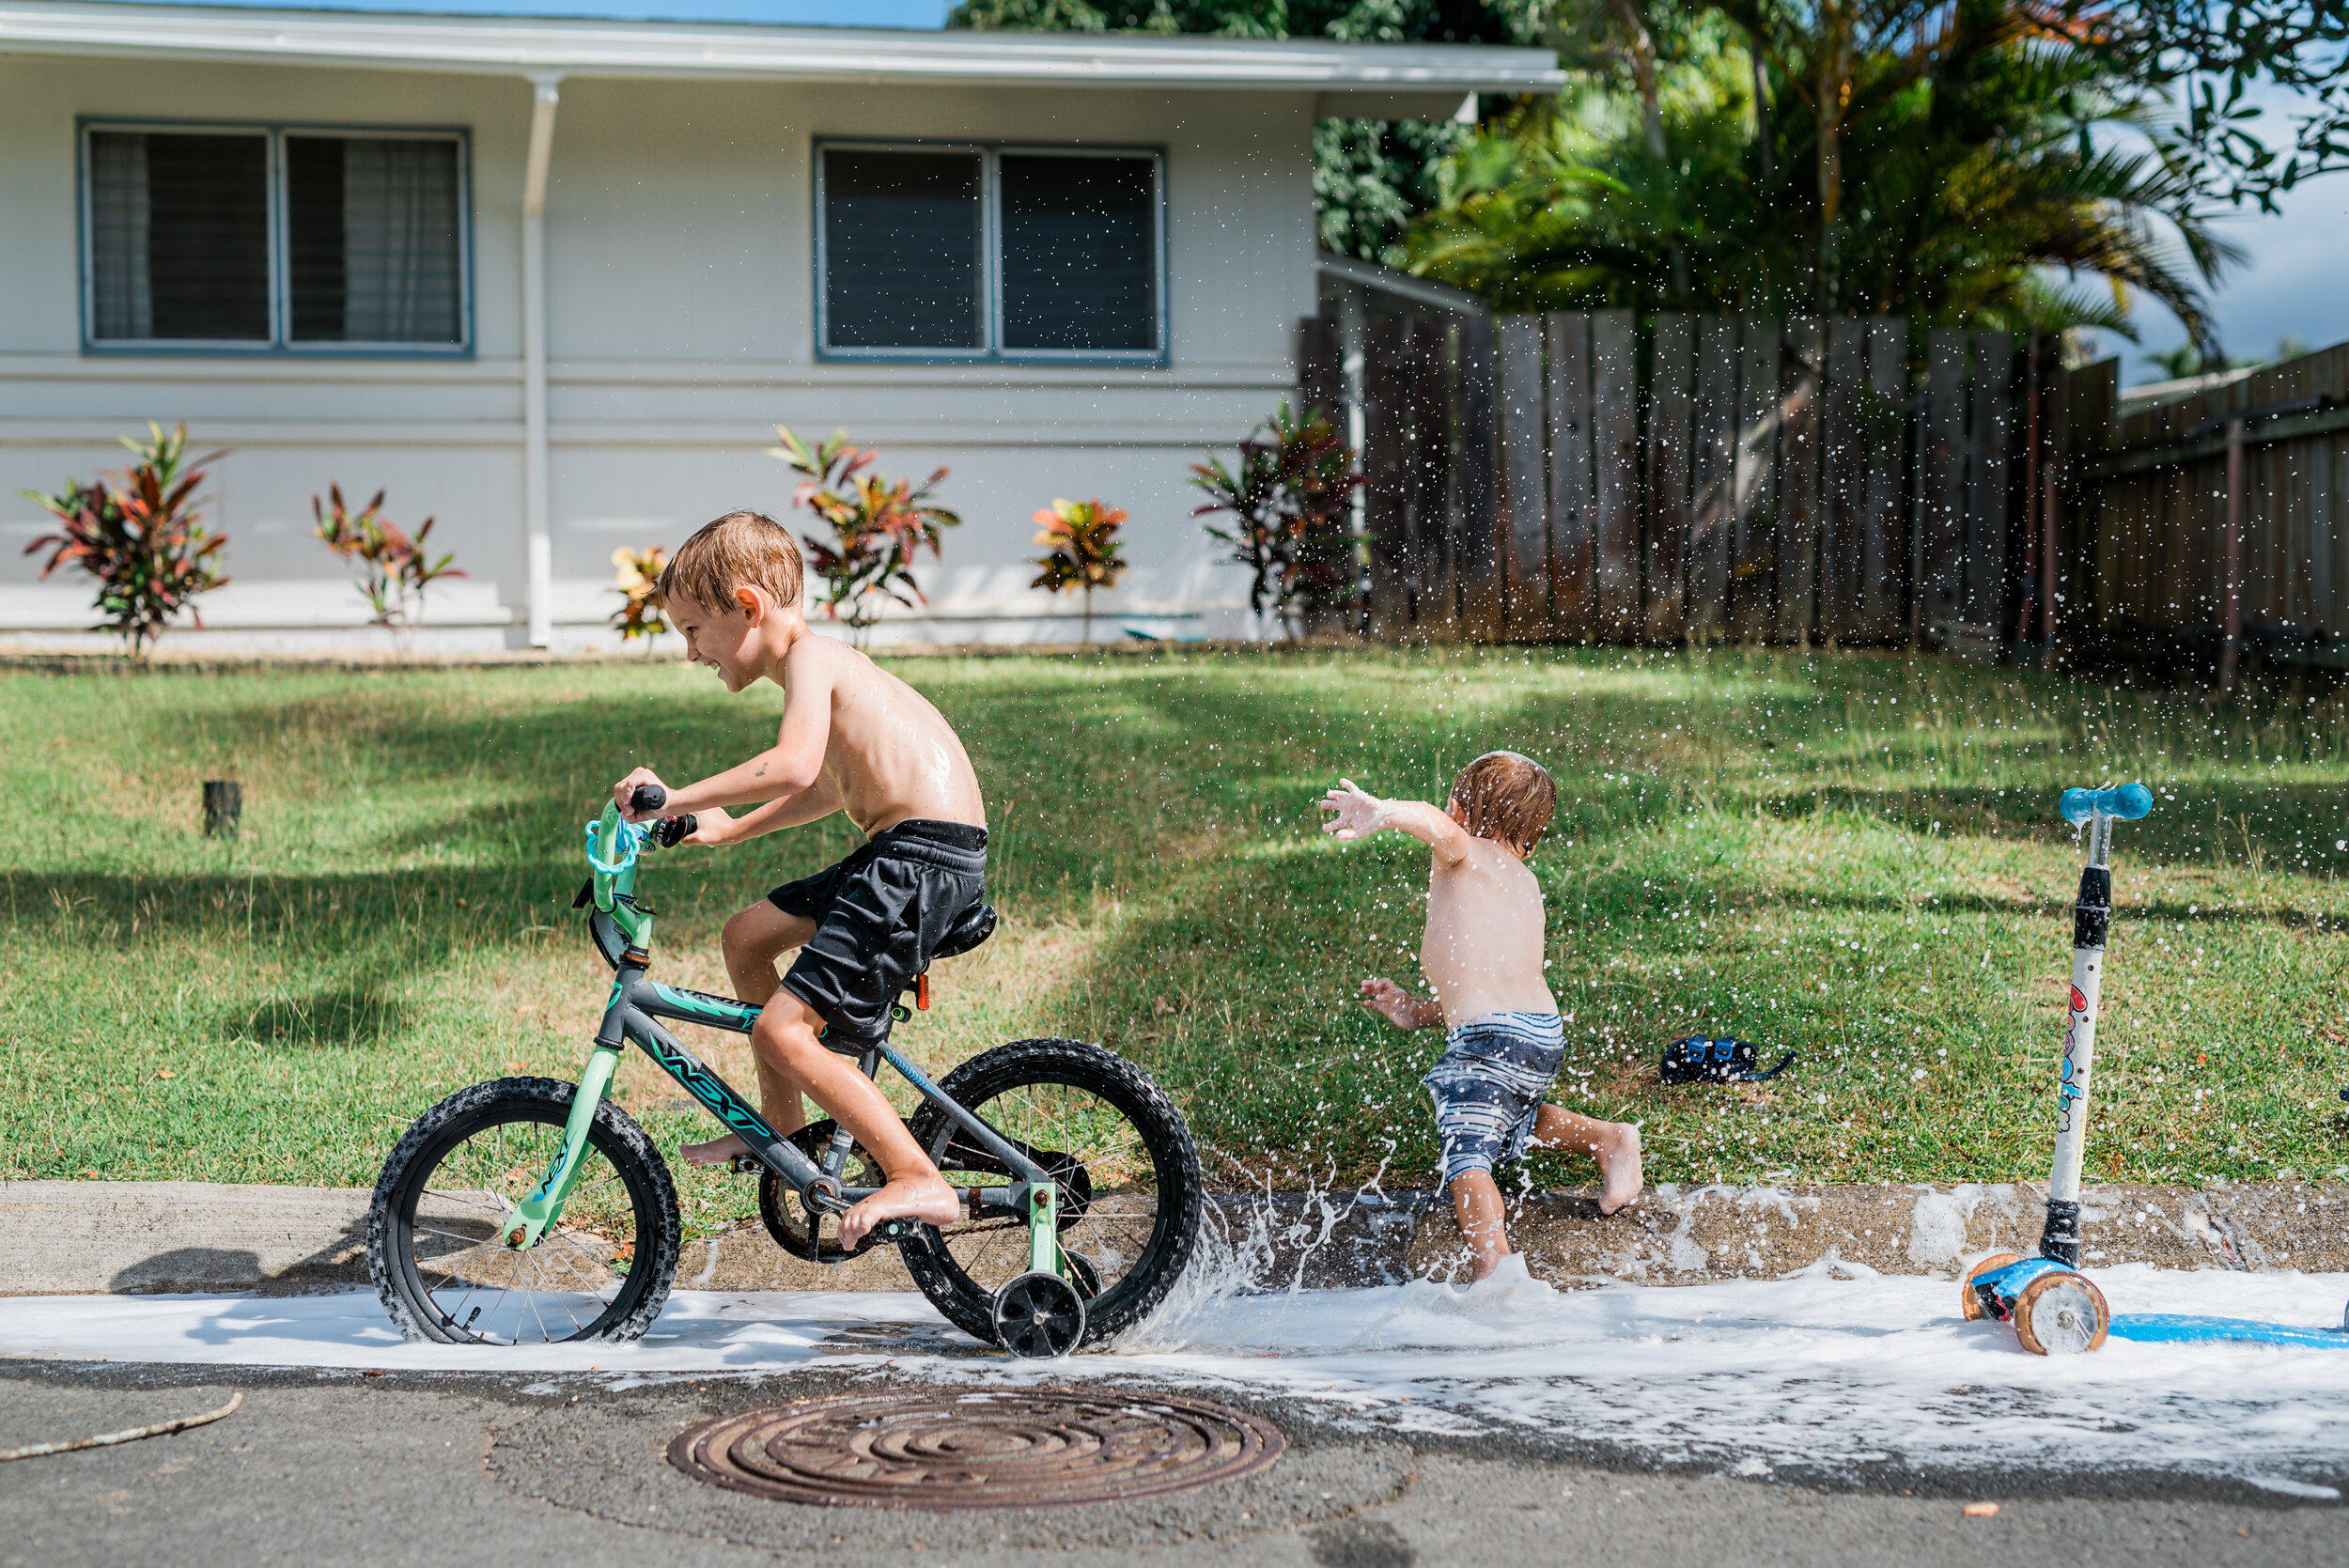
x=281 y=342
x=992 y=258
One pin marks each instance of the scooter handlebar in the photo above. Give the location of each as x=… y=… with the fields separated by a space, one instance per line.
x=2126 y=802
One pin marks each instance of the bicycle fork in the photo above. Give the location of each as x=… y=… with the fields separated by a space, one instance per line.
x=537 y=1214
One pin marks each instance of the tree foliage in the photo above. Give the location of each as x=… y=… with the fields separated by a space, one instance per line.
x=1880 y=171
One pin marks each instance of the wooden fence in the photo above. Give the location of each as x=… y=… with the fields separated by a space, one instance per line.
x=1698 y=478
x=2211 y=526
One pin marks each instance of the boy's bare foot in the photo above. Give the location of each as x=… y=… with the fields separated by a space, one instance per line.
x=927 y=1199
x=718 y=1150
x=1619 y=1163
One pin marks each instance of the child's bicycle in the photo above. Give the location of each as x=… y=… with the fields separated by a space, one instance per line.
x=528 y=1210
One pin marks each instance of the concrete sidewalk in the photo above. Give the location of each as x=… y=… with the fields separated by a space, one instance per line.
x=87 y=1238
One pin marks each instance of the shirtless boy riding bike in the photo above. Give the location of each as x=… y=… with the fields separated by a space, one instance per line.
x=857 y=739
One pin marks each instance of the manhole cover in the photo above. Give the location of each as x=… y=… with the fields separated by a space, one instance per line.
x=951 y=1450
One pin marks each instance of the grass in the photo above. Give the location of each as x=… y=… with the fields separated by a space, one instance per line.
x=1852 y=856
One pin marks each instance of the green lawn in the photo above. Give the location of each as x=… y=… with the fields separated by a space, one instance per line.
x=1849 y=855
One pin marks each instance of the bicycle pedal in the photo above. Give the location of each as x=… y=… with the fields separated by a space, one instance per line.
x=745 y=1165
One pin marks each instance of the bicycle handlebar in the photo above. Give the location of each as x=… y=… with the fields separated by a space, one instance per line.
x=647 y=799
x=2126 y=802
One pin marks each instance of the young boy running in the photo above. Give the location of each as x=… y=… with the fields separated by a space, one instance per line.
x=1483 y=956
x=857 y=739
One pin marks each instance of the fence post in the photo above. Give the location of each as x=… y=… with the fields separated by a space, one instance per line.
x=1570 y=475
x=1672 y=363
x=1883 y=501
x=1941 y=478
x=1982 y=607
x=1712 y=475
x=1804 y=359
x=1523 y=438
x=1753 y=490
x=1427 y=488
x=1616 y=477
x=1475 y=545
x=1386 y=446
x=1843 y=479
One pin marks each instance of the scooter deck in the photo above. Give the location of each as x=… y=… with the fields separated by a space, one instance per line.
x=2187 y=1329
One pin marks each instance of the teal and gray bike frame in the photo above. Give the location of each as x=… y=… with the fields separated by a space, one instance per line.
x=622 y=930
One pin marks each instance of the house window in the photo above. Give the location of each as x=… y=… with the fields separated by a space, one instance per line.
x=989 y=252
x=275 y=239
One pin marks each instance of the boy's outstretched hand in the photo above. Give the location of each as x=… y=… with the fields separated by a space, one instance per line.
x=1355 y=811
x=1398 y=1006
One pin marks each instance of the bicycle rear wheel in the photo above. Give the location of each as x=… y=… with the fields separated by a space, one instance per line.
x=1131 y=1198
x=436 y=1230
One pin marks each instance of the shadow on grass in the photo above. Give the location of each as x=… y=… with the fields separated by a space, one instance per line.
x=357 y=1014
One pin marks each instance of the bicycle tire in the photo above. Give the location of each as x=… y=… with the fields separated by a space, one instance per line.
x=651 y=1255
x=1179 y=1209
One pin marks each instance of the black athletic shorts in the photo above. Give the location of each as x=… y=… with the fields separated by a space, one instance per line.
x=879 y=916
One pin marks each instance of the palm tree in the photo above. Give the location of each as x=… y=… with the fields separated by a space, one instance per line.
x=1962 y=166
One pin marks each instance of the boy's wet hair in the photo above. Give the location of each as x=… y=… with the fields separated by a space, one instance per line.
x=739 y=550
x=1506 y=798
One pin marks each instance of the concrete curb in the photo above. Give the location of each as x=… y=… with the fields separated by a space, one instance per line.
x=66 y=1238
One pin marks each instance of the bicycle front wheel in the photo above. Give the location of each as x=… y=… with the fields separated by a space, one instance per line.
x=437 y=1229
x=1131 y=1198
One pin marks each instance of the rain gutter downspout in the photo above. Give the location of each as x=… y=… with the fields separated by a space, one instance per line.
x=536 y=510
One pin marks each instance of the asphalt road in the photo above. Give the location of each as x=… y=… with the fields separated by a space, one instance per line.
x=450 y=1469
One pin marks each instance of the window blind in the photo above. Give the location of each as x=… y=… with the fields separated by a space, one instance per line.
x=180 y=236
x=371 y=240
x=902 y=237
x=1079 y=252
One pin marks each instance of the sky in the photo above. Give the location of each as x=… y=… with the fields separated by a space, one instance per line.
x=2288 y=285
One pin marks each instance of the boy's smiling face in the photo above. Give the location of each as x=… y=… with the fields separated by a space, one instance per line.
x=727 y=639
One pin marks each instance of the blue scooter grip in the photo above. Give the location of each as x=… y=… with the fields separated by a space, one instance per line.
x=2126 y=802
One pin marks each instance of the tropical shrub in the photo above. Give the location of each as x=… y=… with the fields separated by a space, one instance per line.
x=638 y=576
x=391 y=569
x=1083 y=553
x=877 y=527
x=1290 y=503
x=142 y=538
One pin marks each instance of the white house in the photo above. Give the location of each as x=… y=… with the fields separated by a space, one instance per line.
x=554 y=282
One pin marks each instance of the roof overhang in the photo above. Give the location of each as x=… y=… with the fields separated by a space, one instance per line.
x=1368 y=80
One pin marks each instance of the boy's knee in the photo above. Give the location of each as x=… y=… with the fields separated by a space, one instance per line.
x=751 y=935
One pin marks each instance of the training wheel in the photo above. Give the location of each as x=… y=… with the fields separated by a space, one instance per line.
x=2060 y=1314
x=1973 y=1298
x=1039 y=1316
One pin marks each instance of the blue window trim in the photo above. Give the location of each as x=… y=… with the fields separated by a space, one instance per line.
x=279 y=346
x=992 y=260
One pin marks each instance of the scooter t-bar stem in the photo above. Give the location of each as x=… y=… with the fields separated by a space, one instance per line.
x=2092 y=923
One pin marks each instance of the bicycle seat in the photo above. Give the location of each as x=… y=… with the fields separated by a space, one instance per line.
x=976 y=924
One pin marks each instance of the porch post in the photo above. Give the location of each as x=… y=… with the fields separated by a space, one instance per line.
x=534 y=482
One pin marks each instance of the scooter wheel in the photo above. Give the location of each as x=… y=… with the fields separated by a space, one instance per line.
x=1973 y=1298
x=1039 y=1316
x=2060 y=1314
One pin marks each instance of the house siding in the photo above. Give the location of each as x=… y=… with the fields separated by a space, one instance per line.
x=680 y=329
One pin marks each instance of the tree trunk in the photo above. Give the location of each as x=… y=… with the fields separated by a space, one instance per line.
x=1643 y=73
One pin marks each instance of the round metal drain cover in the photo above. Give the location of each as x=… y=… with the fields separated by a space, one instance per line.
x=952 y=1450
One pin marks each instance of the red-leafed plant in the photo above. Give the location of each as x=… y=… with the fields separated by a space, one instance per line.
x=1291 y=502
x=389 y=567
x=637 y=579
x=1083 y=550
x=876 y=527
x=144 y=542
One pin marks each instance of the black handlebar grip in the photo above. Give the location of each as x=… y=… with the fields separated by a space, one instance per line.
x=670 y=832
x=648 y=797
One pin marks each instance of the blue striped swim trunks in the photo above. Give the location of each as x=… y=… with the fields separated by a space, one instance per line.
x=1488 y=1087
